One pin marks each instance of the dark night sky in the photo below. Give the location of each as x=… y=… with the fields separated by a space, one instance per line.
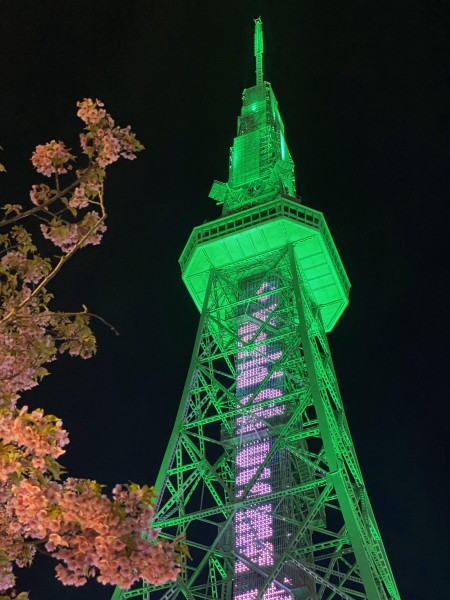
x=360 y=87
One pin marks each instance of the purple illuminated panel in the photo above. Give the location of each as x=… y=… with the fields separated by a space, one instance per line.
x=273 y=593
x=258 y=380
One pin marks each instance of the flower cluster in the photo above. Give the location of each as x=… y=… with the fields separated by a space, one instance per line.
x=36 y=434
x=79 y=199
x=39 y=194
x=30 y=270
x=104 y=142
x=12 y=549
x=67 y=235
x=91 y=112
x=51 y=158
x=63 y=235
x=23 y=351
x=92 y=535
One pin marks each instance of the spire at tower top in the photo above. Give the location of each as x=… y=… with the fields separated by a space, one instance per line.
x=261 y=166
x=259 y=49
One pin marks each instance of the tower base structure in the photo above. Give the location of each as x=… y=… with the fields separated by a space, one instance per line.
x=260 y=473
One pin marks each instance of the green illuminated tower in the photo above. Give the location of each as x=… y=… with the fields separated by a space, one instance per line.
x=260 y=472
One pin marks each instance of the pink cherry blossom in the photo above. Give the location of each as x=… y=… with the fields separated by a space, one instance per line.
x=51 y=158
x=39 y=193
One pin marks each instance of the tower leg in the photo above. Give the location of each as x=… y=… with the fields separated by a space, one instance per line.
x=345 y=502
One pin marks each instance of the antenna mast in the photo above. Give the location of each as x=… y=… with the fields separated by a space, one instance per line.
x=259 y=49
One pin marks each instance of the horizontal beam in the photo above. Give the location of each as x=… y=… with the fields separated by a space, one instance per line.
x=232 y=506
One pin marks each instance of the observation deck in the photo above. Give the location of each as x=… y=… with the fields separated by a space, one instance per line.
x=249 y=234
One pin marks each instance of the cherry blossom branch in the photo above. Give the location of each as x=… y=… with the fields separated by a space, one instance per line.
x=9 y=248
x=57 y=268
x=89 y=314
x=46 y=314
x=38 y=548
x=52 y=199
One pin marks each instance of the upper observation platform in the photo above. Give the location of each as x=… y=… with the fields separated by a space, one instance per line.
x=261 y=212
x=251 y=233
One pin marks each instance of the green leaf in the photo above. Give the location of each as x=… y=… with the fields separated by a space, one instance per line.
x=183 y=549
x=15 y=478
x=8 y=208
x=41 y=373
x=118 y=511
x=52 y=418
x=54 y=467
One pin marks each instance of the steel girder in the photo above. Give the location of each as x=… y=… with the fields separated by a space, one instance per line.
x=334 y=547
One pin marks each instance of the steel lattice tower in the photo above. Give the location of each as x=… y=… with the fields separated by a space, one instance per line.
x=260 y=471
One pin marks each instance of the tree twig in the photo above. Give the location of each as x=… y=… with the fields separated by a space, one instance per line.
x=52 y=199
x=58 y=267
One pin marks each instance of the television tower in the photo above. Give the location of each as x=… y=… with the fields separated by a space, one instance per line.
x=260 y=472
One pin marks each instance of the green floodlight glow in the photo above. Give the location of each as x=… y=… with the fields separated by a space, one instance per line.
x=283 y=146
x=260 y=472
